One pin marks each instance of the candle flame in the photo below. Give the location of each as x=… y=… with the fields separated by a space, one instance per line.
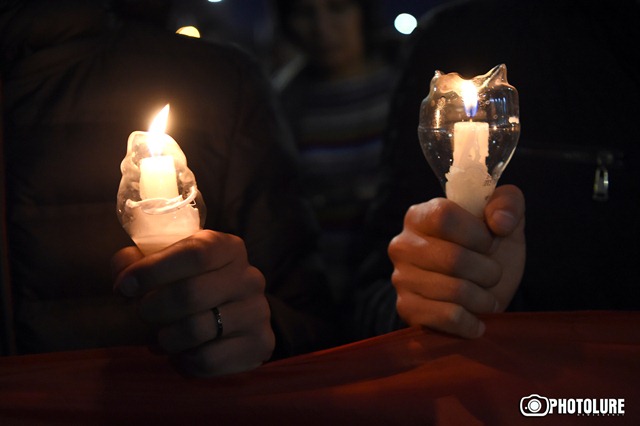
x=159 y=123
x=157 y=130
x=469 y=95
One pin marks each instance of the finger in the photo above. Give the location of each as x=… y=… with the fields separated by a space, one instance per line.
x=237 y=318
x=442 y=316
x=227 y=356
x=443 y=219
x=438 y=287
x=505 y=210
x=177 y=300
x=123 y=258
x=188 y=333
x=444 y=257
x=204 y=251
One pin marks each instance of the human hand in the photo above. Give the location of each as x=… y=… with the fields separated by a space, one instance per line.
x=179 y=287
x=450 y=265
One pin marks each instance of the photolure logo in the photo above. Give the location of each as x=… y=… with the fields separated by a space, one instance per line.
x=536 y=405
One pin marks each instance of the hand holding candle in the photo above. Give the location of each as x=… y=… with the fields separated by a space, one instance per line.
x=448 y=266
x=468 y=132
x=158 y=200
x=203 y=299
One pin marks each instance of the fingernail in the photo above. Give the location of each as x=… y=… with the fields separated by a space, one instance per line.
x=504 y=219
x=481 y=329
x=129 y=286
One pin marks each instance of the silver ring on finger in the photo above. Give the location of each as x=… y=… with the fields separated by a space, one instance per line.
x=218 y=319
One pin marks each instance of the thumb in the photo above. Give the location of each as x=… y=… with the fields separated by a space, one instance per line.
x=505 y=210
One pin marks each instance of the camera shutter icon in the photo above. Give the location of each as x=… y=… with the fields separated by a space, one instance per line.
x=534 y=405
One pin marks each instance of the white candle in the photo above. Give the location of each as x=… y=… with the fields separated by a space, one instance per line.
x=469 y=183
x=470 y=144
x=158 y=177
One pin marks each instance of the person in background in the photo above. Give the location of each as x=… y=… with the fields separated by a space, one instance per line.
x=77 y=79
x=573 y=66
x=335 y=95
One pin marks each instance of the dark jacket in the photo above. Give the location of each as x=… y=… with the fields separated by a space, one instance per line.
x=77 y=80
x=573 y=66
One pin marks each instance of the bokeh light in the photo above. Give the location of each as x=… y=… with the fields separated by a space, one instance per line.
x=190 y=31
x=405 y=23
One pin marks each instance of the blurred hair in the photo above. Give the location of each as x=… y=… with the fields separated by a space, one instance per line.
x=152 y=11
x=371 y=22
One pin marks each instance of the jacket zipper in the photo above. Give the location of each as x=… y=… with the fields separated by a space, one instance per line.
x=603 y=159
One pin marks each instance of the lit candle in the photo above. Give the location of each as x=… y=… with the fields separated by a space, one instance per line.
x=158 y=172
x=469 y=183
x=468 y=131
x=158 y=215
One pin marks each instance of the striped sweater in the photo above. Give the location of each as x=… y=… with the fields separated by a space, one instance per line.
x=338 y=129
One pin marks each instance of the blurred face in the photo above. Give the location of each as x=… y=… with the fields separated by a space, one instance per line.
x=330 y=33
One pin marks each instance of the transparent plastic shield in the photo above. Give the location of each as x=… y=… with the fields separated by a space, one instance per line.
x=468 y=132
x=158 y=201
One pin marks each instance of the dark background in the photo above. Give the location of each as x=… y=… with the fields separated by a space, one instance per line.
x=249 y=22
